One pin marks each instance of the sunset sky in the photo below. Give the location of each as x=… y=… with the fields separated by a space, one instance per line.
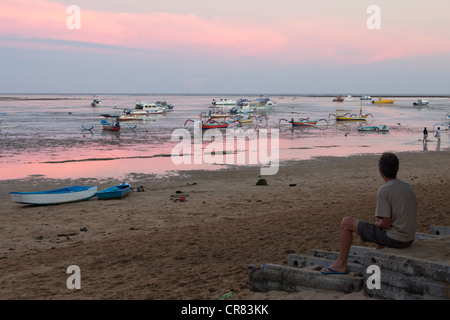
x=209 y=46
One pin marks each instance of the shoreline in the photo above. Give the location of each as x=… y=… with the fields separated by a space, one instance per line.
x=151 y=246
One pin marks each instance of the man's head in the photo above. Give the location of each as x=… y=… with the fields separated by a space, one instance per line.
x=388 y=165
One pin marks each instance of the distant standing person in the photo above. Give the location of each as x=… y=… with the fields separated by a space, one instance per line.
x=425 y=134
x=438 y=134
x=396 y=217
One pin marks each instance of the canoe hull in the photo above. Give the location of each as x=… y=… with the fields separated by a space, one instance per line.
x=116 y=192
x=56 y=196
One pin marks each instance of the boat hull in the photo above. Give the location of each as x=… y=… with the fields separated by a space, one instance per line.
x=116 y=192
x=351 y=119
x=56 y=196
x=303 y=123
x=383 y=101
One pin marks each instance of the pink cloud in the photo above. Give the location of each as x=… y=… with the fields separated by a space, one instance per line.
x=312 y=39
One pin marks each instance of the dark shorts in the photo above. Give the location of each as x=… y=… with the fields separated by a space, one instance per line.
x=372 y=233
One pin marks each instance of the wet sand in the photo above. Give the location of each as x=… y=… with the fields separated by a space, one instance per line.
x=151 y=246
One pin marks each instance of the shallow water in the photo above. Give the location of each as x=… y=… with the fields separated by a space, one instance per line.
x=43 y=134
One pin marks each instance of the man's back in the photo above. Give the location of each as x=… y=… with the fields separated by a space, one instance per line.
x=396 y=200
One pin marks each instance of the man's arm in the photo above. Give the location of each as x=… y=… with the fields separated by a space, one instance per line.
x=383 y=223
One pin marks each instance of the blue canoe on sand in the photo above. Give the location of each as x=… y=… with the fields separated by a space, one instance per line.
x=57 y=196
x=116 y=192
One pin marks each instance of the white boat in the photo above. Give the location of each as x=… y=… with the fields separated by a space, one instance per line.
x=421 y=102
x=57 y=196
x=365 y=98
x=96 y=101
x=164 y=104
x=224 y=102
x=348 y=98
x=264 y=102
x=146 y=108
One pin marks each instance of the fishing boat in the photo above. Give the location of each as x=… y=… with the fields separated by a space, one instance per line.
x=111 y=126
x=379 y=128
x=146 y=108
x=249 y=119
x=368 y=128
x=96 y=101
x=117 y=192
x=209 y=123
x=264 y=102
x=365 y=98
x=224 y=101
x=347 y=115
x=303 y=122
x=421 y=102
x=338 y=99
x=382 y=100
x=57 y=196
x=348 y=98
x=164 y=104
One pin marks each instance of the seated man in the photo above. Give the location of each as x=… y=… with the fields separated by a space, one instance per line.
x=396 y=217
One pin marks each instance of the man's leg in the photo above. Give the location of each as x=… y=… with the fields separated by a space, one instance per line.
x=348 y=226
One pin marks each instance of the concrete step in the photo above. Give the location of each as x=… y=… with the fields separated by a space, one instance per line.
x=303 y=261
x=269 y=277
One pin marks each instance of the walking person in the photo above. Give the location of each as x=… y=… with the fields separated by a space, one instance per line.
x=425 y=134
x=438 y=134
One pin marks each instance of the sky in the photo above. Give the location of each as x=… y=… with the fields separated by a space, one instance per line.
x=233 y=46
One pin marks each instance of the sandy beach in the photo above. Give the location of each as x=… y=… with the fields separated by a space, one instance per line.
x=151 y=246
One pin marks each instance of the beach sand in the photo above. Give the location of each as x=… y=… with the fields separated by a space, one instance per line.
x=149 y=246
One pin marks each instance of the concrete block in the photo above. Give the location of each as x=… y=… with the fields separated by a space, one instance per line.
x=302 y=261
x=407 y=287
x=276 y=277
x=408 y=266
x=440 y=230
x=424 y=236
x=356 y=254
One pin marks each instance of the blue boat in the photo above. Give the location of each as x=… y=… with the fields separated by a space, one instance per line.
x=116 y=192
x=57 y=196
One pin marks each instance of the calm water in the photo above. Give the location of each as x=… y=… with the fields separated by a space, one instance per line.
x=44 y=134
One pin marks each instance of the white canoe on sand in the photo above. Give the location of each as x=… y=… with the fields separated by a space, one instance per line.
x=57 y=196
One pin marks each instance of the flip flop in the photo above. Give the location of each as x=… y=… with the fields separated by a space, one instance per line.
x=331 y=271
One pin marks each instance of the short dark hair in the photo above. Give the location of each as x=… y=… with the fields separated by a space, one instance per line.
x=388 y=165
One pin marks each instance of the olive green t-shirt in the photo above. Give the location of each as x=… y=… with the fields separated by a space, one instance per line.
x=396 y=200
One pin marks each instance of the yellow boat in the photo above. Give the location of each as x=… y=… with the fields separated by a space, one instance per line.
x=382 y=100
x=347 y=115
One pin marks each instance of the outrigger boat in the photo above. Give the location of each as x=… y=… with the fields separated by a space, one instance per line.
x=382 y=100
x=303 y=122
x=111 y=126
x=249 y=119
x=347 y=115
x=209 y=123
